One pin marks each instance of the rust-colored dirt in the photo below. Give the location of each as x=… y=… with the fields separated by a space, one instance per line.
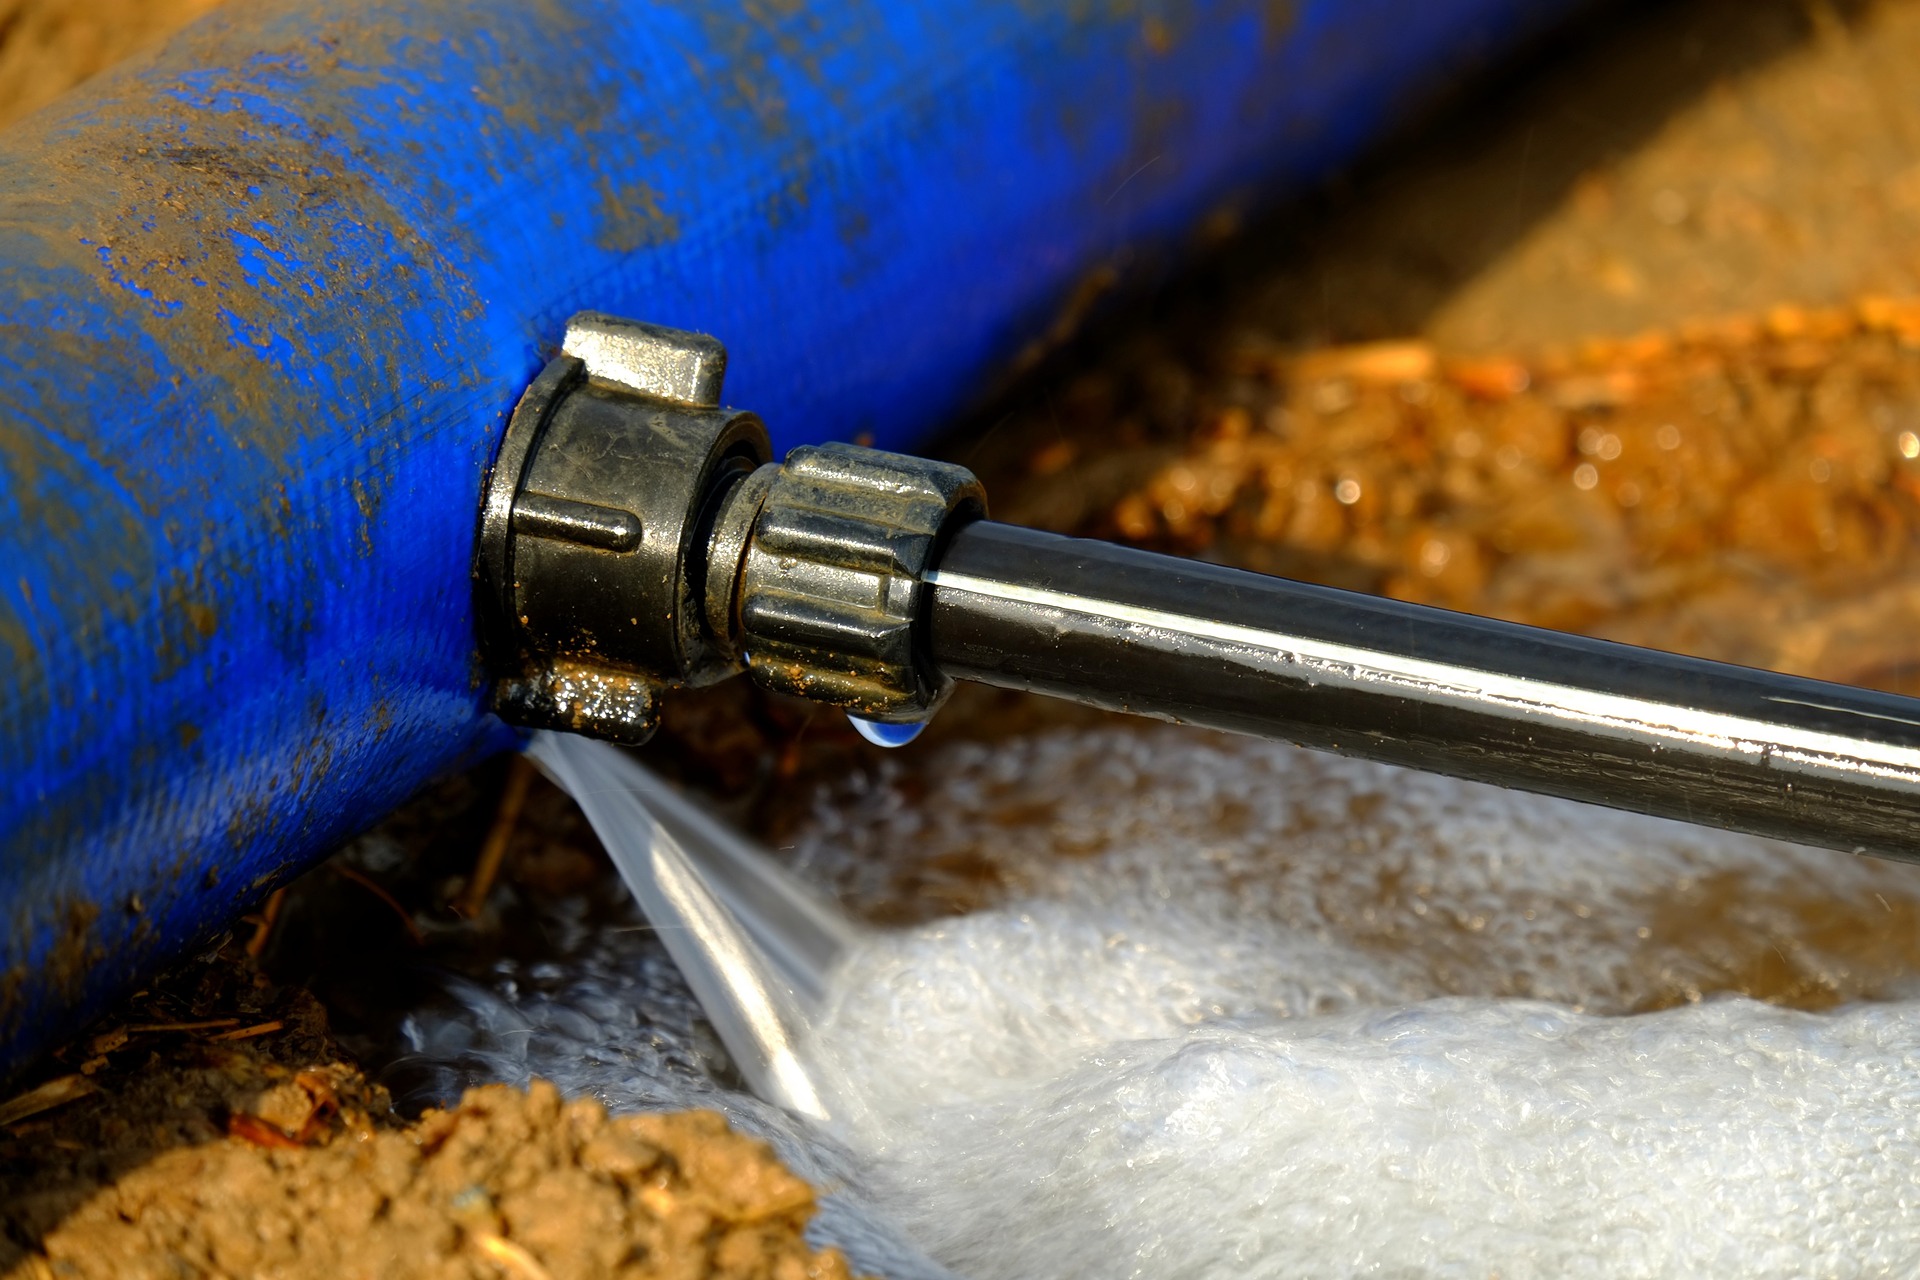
x=1747 y=488
x=512 y=1183
x=214 y=1128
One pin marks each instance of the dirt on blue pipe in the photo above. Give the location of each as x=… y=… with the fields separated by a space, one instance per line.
x=268 y=294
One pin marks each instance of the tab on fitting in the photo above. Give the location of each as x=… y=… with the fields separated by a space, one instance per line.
x=687 y=368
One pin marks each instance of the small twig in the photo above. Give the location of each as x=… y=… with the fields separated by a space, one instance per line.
x=141 y=1028
x=248 y=1033
x=261 y=1133
x=54 y=1093
x=499 y=836
x=113 y=1041
x=371 y=886
x=263 y=927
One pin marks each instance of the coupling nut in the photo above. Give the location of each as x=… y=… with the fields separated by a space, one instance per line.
x=635 y=537
x=594 y=526
x=831 y=582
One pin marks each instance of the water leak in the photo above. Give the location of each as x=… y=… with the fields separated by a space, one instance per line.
x=883 y=734
x=756 y=945
x=1223 y=1008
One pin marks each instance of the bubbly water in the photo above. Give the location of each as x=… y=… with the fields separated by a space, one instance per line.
x=1223 y=1008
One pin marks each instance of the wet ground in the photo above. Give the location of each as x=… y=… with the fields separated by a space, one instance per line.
x=1619 y=346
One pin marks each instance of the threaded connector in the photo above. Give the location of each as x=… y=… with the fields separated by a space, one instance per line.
x=830 y=587
x=634 y=538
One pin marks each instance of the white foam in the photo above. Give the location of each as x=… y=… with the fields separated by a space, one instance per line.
x=1463 y=1137
x=1232 y=1010
x=1261 y=1031
x=1414 y=884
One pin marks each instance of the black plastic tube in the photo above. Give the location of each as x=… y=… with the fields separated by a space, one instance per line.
x=1631 y=728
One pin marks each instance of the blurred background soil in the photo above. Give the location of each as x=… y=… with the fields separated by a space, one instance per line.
x=48 y=46
x=1625 y=343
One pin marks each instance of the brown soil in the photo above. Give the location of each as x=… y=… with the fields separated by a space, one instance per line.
x=521 y=1184
x=48 y=46
x=215 y=1128
x=1747 y=489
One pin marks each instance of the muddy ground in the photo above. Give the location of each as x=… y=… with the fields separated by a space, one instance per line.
x=1625 y=344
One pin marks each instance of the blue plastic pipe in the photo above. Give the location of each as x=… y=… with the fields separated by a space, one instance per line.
x=267 y=296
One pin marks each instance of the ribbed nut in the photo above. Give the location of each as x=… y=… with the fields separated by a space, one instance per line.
x=831 y=583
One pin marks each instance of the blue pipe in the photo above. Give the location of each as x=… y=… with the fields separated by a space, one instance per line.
x=267 y=296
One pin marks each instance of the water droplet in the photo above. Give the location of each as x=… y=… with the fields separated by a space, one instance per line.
x=886 y=735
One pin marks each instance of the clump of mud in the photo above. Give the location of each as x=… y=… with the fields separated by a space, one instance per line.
x=506 y=1182
x=217 y=1128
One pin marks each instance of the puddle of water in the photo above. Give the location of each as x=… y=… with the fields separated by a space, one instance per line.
x=1277 y=1014
x=1044 y=1090
x=1281 y=1016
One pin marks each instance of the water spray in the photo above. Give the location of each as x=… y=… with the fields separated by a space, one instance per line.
x=637 y=537
x=757 y=945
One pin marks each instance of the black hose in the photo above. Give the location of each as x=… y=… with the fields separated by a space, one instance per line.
x=1590 y=720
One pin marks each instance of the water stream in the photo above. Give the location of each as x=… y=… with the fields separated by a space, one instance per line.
x=756 y=945
x=1279 y=1015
